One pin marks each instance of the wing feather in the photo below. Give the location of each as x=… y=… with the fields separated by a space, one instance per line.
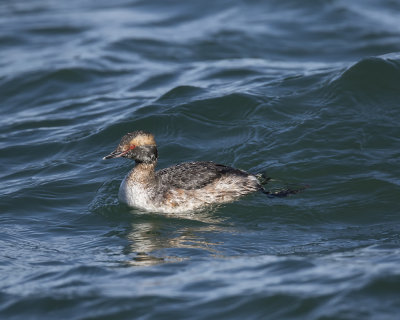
x=195 y=175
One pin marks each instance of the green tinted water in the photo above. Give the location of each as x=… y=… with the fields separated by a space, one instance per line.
x=303 y=92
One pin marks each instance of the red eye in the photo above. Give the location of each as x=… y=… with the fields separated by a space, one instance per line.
x=132 y=147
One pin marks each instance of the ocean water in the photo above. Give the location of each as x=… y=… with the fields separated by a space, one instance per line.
x=307 y=92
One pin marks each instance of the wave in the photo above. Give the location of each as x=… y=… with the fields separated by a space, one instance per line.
x=372 y=75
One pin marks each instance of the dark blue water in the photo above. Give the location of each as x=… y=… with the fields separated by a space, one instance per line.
x=305 y=91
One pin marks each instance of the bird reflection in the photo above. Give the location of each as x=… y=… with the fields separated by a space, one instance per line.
x=156 y=239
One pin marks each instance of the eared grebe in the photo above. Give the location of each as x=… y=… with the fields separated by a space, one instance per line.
x=185 y=187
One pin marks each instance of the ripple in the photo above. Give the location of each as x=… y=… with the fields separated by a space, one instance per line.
x=181 y=93
x=305 y=92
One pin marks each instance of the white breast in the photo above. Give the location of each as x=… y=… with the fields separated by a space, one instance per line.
x=135 y=195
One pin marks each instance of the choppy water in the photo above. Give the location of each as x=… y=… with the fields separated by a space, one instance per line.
x=307 y=91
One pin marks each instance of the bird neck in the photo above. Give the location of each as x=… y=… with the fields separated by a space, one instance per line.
x=143 y=172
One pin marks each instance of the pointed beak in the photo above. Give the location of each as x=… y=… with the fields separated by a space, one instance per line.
x=115 y=154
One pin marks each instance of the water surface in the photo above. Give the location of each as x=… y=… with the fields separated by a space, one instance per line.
x=306 y=92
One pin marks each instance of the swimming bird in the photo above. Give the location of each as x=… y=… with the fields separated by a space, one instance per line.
x=181 y=188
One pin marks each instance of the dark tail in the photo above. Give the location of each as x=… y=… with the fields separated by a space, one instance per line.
x=283 y=192
x=278 y=191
